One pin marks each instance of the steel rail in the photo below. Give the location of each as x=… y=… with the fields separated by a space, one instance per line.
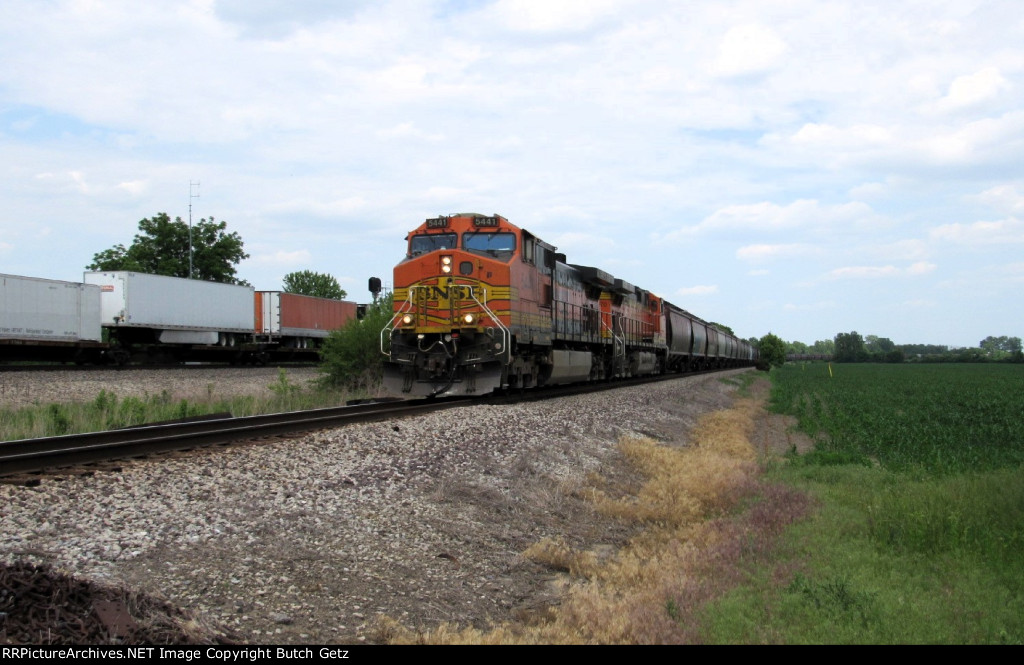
x=42 y=454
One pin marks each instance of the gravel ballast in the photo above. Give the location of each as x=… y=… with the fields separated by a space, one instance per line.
x=20 y=389
x=309 y=539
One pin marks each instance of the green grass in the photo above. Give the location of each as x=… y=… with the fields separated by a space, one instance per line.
x=920 y=533
x=742 y=382
x=106 y=411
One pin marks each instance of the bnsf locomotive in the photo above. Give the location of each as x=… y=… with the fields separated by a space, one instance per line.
x=482 y=305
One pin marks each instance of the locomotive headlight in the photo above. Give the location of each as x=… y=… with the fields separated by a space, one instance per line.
x=446 y=264
x=468 y=319
x=407 y=319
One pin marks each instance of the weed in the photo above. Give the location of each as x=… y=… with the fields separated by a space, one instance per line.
x=283 y=387
x=836 y=597
x=107 y=411
x=60 y=422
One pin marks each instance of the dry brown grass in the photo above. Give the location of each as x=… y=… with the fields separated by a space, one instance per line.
x=650 y=591
x=557 y=555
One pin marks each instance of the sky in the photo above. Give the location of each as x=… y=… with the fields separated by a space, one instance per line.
x=794 y=166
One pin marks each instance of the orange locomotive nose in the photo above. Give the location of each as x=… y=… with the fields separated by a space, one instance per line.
x=452 y=295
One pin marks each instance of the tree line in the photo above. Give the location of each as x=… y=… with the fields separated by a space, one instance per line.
x=852 y=347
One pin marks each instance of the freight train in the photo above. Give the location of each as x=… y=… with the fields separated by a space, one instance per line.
x=155 y=318
x=482 y=305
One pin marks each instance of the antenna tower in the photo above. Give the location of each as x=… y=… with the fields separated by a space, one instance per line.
x=190 y=197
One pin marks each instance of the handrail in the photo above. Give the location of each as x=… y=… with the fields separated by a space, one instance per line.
x=619 y=341
x=390 y=327
x=506 y=335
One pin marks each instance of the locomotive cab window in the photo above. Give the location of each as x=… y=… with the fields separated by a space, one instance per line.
x=498 y=245
x=429 y=242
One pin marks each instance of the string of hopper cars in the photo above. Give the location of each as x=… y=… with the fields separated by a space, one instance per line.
x=157 y=318
x=483 y=305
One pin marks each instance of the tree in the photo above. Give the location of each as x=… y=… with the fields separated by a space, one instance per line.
x=879 y=345
x=161 y=248
x=723 y=328
x=309 y=283
x=1003 y=343
x=772 y=350
x=895 y=356
x=797 y=348
x=351 y=355
x=824 y=347
x=850 y=348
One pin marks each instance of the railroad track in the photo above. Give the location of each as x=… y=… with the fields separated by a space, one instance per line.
x=45 y=454
x=33 y=456
x=71 y=367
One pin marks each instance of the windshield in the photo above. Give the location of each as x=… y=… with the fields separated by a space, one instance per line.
x=491 y=243
x=423 y=243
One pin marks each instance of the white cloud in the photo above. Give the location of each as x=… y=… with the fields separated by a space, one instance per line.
x=408 y=130
x=545 y=16
x=1004 y=198
x=761 y=253
x=869 y=190
x=135 y=187
x=854 y=136
x=700 y=290
x=772 y=217
x=320 y=208
x=576 y=243
x=972 y=143
x=905 y=250
x=864 y=272
x=982 y=233
x=809 y=307
x=921 y=268
x=905 y=141
x=991 y=277
x=299 y=257
x=448 y=195
x=973 y=89
x=749 y=49
x=876 y=272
